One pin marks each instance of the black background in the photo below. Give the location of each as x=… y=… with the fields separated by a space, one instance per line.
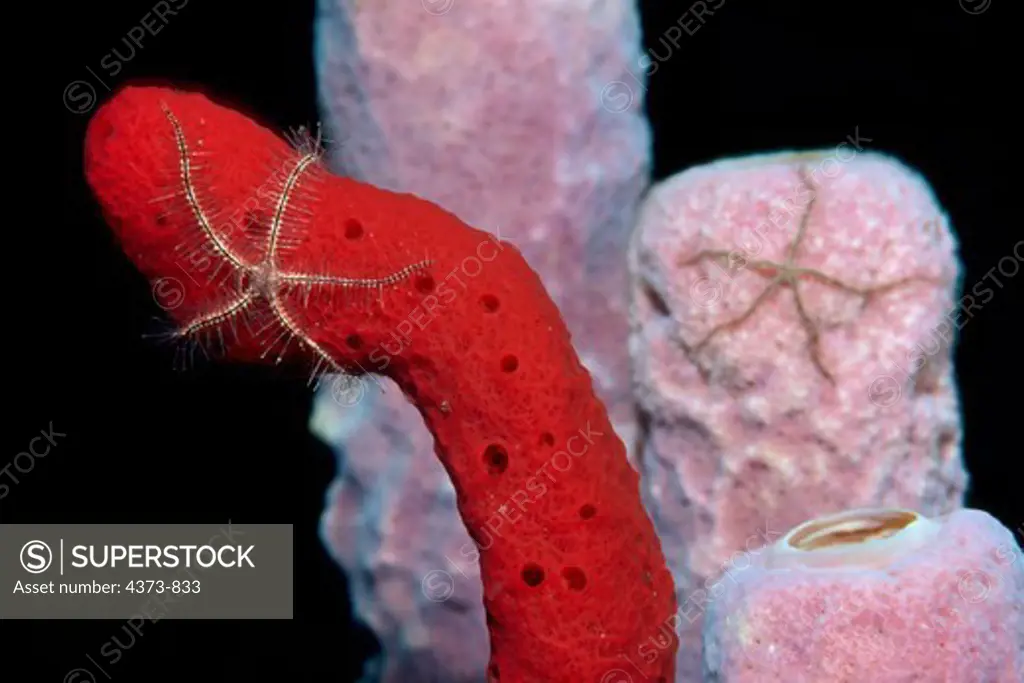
x=148 y=444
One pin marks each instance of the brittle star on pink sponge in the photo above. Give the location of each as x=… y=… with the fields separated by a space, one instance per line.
x=770 y=294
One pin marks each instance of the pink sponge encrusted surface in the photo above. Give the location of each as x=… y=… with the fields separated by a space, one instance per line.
x=949 y=611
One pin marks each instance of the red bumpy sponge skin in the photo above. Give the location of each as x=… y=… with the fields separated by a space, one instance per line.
x=265 y=253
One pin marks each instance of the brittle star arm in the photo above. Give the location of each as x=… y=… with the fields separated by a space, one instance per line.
x=813 y=337
x=186 y=169
x=862 y=291
x=706 y=253
x=219 y=316
x=726 y=258
x=805 y=220
x=290 y=183
x=292 y=330
x=353 y=282
x=735 y=322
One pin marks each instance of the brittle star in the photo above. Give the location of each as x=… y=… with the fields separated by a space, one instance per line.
x=262 y=279
x=788 y=273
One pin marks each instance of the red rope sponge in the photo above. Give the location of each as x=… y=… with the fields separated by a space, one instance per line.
x=256 y=249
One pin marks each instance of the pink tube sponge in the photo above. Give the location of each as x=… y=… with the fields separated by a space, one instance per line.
x=777 y=300
x=880 y=595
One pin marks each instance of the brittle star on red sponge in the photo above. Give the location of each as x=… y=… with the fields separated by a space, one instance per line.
x=458 y=320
